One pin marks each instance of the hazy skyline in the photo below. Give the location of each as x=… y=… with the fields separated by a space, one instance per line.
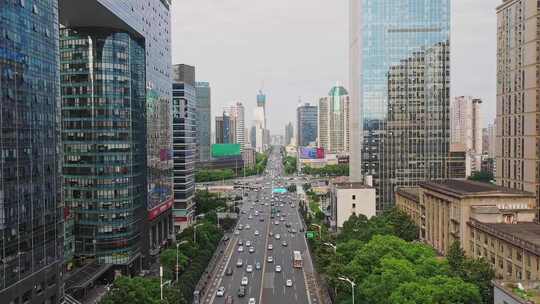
x=299 y=49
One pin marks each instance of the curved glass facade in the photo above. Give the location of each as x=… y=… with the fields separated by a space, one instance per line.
x=31 y=231
x=405 y=79
x=104 y=140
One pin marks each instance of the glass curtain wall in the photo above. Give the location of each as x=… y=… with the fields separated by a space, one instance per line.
x=104 y=140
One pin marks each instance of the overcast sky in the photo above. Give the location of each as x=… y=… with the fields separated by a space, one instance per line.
x=298 y=49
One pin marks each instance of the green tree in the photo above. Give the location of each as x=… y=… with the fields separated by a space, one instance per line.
x=140 y=290
x=456 y=258
x=482 y=176
x=436 y=290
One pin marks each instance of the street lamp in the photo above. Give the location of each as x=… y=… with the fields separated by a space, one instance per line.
x=161 y=284
x=194 y=233
x=331 y=245
x=177 y=266
x=352 y=285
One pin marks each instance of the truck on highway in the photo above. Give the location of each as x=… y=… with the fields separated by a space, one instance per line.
x=297 y=259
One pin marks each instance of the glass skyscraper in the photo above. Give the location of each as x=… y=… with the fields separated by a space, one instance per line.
x=103 y=136
x=306 y=124
x=31 y=214
x=204 y=105
x=400 y=83
x=116 y=90
x=184 y=125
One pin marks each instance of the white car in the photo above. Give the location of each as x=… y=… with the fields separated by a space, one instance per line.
x=288 y=283
x=247 y=227
x=270 y=259
x=244 y=281
x=236 y=232
x=220 y=292
x=270 y=246
x=277 y=236
x=251 y=301
x=248 y=243
x=278 y=268
x=241 y=249
x=249 y=268
x=251 y=249
x=256 y=232
x=250 y=217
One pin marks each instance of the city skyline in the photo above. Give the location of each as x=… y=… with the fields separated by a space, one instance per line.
x=323 y=27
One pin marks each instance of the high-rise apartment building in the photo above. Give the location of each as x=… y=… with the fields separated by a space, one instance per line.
x=289 y=133
x=518 y=84
x=306 y=124
x=333 y=126
x=492 y=140
x=204 y=106
x=184 y=126
x=31 y=211
x=237 y=115
x=466 y=128
x=253 y=136
x=116 y=134
x=400 y=87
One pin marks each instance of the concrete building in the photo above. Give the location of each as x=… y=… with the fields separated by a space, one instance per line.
x=399 y=87
x=31 y=208
x=348 y=198
x=249 y=157
x=237 y=117
x=333 y=126
x=129 y=106
x=481 y=216
x=204 y=108
x=492 y=140
x=518 y=82
x=306 y=124
x=184 y=112
x=466 y=128
x=224 y=129
x=289 y=134
x=253 y=136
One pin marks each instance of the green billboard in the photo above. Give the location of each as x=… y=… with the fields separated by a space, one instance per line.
x=224 y=150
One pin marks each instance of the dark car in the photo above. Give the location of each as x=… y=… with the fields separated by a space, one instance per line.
x=229 y=271
x=242 y=291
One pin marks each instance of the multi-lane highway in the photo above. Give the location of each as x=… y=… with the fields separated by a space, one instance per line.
x=261 y=248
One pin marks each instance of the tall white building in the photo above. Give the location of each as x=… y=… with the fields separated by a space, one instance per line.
x=237 y=114
x=333 y=127
x=466 y=128
x=492 y=139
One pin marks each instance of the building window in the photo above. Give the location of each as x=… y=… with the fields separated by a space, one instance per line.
x=354 y=206
x=354 y=197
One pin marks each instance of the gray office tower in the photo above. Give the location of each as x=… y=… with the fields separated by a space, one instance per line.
x=184 y=124
x=306 y=124
x=400 y=86
x=31 y=214
x=204 y=106
x=116 y=134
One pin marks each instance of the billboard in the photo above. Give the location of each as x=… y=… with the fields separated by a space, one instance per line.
x=225 y=150
x=311 y=153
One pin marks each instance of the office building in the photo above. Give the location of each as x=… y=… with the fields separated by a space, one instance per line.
x=489 y=221
x=518 y=81
x=237 y=116
x=466 y=128
x=31 y=215
x=333 y=127
x=253 y=136
x=204 y=106
x=184 y=125
x=289 y=133
x=306 y=124
x=116 y=128
x=399 y=88
x=225 y=129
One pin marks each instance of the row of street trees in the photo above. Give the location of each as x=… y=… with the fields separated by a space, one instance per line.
x=193 y=258
x=329 y=170
x=381 y=255
x=211 y=175
x=289 y=164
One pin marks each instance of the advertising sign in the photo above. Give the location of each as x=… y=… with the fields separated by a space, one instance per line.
x=311 y=153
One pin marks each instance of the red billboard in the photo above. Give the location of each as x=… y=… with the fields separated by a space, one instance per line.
x=159 y=209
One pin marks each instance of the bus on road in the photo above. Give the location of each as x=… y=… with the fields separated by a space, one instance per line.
x=297 y=259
